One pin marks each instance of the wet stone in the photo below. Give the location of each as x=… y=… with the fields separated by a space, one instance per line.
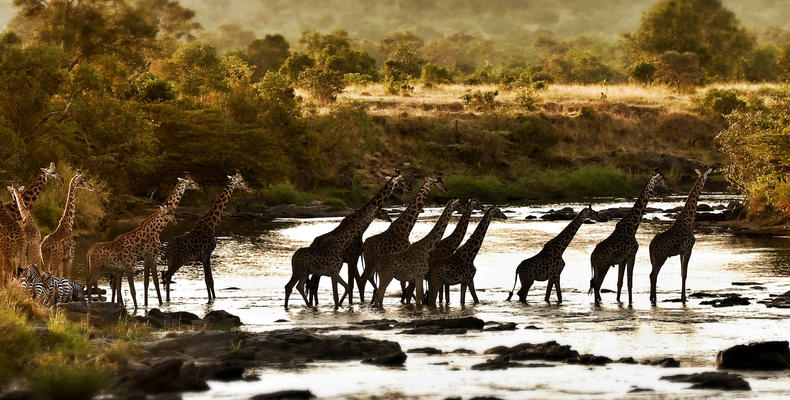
x=222 y=318
x=426 y=350
x=729 y=300
x=626 y=360
x=711 y=380
x=756 y=356
x=509 y=326
x=434 y=330
x=780 y=301
x=463 y=351
x=640 y=390
x=668 y=362
x=548 y=351
x=285 y=395
x=449 y=323
x=591 y=359
x=532 y=327
x=389 y=360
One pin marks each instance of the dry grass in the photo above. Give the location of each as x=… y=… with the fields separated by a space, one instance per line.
x=426 y=100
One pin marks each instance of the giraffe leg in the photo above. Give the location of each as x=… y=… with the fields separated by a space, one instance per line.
x=419 y=289
x=353 y=276
x=289 y=287
x=657 y=262
x=338 y=280
x=312 y=292
x=473 y=292
x=559 y=291
x=549 y=282
x=684 y=265
x=146 y=271
x=463 y=294
x=526 y=283
x=446 y=293
x=620 y=274
x=152 y=264
x=130 y=279
x=631 y=264
x=384 y=281
x=207 y=277
x=598 y=277
x=434 y=287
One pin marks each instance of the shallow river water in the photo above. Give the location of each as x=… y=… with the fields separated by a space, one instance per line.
x=252 y=264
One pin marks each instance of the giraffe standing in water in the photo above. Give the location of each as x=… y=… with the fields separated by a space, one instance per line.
x=411 y=265
x=621 y=246
x=119 y=257
x=548 y=264
x=447 y=247
x=57 y=248
x=325 y=256
x=678 y=239
x=396 y=238
x=460 y=267
x=198 y=244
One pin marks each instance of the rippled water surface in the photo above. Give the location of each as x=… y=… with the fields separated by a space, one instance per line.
x=252 y=264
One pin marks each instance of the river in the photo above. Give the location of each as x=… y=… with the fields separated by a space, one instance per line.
x=252 y=264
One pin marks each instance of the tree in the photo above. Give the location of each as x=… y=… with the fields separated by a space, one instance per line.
x=702 y=27
x=267 y=54
x=761 y=65
x=680 y=70
x=196 y=69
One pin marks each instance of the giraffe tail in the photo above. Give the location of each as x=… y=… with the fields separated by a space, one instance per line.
x=515 y=280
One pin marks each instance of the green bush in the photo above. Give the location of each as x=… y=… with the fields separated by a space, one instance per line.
x=527 y=98
x=435 y=74
x=488 y=189
x=643 y=72
x=284 y=193
x=722 y=102
x=533 y=135
x=480 y=100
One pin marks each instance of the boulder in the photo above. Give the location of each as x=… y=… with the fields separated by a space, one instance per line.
x=168 y=375
x=548 y=351
x=285 y=395
x=434 y=330
x=426 y=350
x=508 y=326
x=591 y=359
x=565 y=214
x=389 y=360
x=781 y=301
x=447 y=323
x=756 y=356
x=711 y=380
x=729 y=300
x=100 y=312
x=668 y=362
x=222 y=318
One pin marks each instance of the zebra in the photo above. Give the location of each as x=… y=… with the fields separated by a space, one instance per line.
x=61 y=290
x=34 y=281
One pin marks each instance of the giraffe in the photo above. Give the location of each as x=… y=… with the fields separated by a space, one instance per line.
x=325 y=256
x=198 y=244
x=548 y=263
x=412 y=264
x=148 y=248
x=119 y=256
x=30 y=252
x=10 y=243
x=459 y=268
x=678 y=239
x=447 y=246
x=350 y=258
x=32 y=191
x=621 y=246
x=57 y=248
x=396 y=238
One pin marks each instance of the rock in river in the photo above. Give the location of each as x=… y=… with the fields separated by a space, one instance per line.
x=756 y=356
x=711 y=380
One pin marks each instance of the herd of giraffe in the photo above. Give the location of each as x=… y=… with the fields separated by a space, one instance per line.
x=20 y=241
x=445 y=262
x=442 y=262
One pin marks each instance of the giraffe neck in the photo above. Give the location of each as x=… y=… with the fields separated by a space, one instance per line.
x=67 y=219
x=405 y=222
x=562 y=240
x=174 y=198
x=685 y=220
x=367 y=213
x=153 y=225
x=214 y=214
x=457 y=236
x=634 y=218
x=472 y=246
x=24 y=211
x=32 y=192
x=435 y=235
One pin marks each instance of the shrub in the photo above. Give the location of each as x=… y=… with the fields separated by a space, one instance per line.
x=680 y=70
x=643 y=72
x=527 y=98
x=480 y=100
x=322 y=83
x=534 y=135
x=435 y=74
x=356 y=78
x=284 y=193
x=487 y=189
x=722 y=102
x=62 y=378
x=153 y=88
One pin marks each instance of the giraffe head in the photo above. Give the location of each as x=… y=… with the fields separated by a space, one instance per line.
x=187 y=183
x=238 y=182
x=588 y=213
x=435 y=180
x=16 y=195
x=168 y=214
x=81 y=182
x=496 y=213
x=383 y=215
x=656 y=181
x=471 y=204
x=397 y=181
x=50 y=172
x=703 y=171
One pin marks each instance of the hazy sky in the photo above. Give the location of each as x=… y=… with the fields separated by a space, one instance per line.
x=372 y=19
